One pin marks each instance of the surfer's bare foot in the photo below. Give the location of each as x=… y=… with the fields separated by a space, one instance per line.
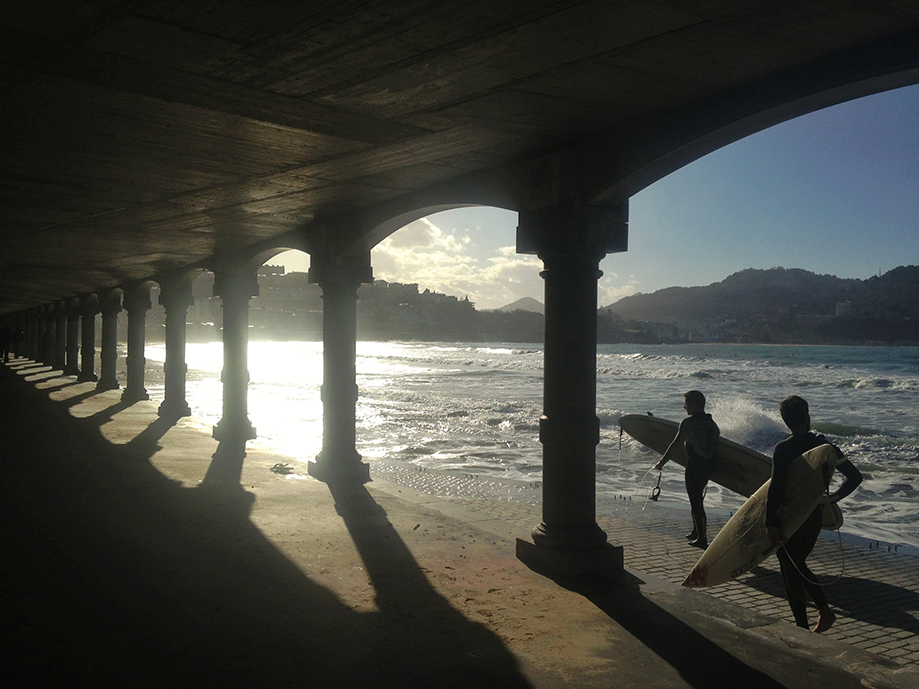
x=698 y=543
x=825 y=620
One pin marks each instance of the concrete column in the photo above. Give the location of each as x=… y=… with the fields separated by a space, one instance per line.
x=234 y=285
x=89 y=307
x=31 y=334
x=110 y=305
x=137 y=303
x=340 y=279
x=571 y=239
x=60 y=336
x=176 y=297
x=72 y=364
x=38 y=329
x=47 y=335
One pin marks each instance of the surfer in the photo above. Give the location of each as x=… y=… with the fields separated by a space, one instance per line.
x=698 y=433
x=798 y=579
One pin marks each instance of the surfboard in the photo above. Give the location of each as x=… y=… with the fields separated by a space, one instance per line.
x=742 y=544
x=734 y=466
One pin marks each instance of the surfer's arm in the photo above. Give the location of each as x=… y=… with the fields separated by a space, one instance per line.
x=776 y=490
x=674 y=444
x=773 y=500
x=851 y=482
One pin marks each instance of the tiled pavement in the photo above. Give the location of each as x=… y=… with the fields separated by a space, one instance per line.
x=875 y=593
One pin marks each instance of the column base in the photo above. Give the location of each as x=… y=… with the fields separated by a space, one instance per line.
x=87 y=377
x=231 y=433
x=605 y=562
x=174 y=410
x=104 y=385
x=352 y=471
x=132 y=396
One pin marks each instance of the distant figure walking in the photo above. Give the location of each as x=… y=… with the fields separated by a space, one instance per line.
x=698 y=433
x=799 y=580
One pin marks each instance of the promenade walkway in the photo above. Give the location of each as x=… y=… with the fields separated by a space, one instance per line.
x=873 y=589
x=122 y=568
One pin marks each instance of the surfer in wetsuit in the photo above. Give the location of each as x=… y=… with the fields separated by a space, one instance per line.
x=798 y=579
x=698 y=433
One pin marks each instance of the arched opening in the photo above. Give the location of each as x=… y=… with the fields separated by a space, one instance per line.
x=780 y=264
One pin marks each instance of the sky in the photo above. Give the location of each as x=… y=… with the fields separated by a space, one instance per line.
x=835 y=192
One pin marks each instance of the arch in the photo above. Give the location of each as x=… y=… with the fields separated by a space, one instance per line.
x=614 y=167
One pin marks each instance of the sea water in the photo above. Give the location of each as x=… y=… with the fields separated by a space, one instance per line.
x=474 y=408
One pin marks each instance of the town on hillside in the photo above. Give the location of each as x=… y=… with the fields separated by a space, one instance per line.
x=751 y=306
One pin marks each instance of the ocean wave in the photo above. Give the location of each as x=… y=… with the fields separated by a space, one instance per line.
x=842 y=430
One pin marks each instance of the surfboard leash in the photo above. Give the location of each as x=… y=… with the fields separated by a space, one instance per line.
x=842 y=559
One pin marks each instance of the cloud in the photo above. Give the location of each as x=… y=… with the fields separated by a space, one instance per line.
x=451 y=263
x=610 y=289
x=445 y=262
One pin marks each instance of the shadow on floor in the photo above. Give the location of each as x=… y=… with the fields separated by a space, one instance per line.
x=114 y=575
x=866 y=600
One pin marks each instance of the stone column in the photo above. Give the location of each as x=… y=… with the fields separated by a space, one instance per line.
x=340 y=279
x=60 y=336
x=137 y=303
x=72 y=364
x=47 y=335
x=30 y=335
x=110 y=305
x=235 y=286
x=175 y=296
x=38 y=331
x=571 y=239
x=89 y=307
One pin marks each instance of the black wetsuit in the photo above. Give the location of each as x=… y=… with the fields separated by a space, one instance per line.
x=699 y=468
x=799 y=580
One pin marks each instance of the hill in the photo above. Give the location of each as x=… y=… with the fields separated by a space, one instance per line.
x=525 y=304
x=786 y=305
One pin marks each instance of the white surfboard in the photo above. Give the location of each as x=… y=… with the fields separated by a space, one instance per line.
x=742 y=544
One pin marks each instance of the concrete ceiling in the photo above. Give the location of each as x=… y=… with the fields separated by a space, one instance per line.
x=142 y=137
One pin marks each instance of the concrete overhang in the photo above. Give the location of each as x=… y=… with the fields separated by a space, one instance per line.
x=143 y=138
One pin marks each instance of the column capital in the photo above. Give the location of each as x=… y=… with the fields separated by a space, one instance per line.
x=137 y=297
x=345 y=270
x=235 y=284
x=110 y=304
x=89 y=305
x=573 y=229
x=175 y=292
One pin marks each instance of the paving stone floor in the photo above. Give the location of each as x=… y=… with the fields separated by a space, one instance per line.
x=874 y=592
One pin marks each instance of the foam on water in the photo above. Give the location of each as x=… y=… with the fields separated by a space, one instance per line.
x=473 y=408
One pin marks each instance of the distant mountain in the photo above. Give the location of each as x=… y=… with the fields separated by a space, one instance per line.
x=525 y=304
x=779 y=305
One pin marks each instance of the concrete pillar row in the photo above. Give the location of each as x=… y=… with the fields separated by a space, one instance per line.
x=72 y=352
x=89 y=307
x=339 y=279
x=176 y=297
x=235 y=288
x=571 y=239
x=110 y=306
x=137 y=303
x=60 y=336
